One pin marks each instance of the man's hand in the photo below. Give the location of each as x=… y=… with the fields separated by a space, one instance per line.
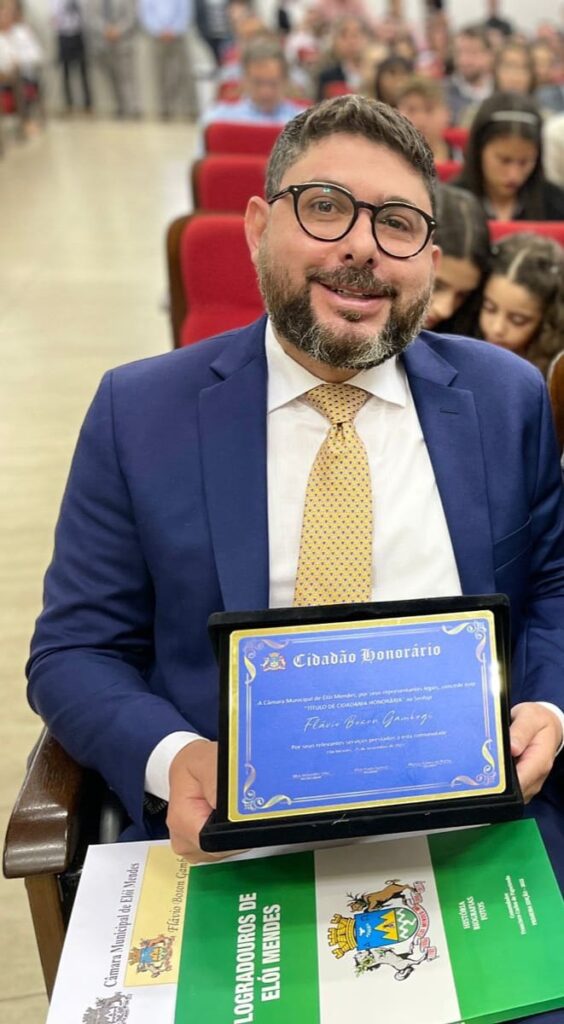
x=193 y=791
x=535 y=737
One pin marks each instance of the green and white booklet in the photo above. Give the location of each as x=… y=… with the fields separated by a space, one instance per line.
x=465 y=925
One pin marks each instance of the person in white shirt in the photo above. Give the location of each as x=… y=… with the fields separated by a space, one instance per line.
x=188 y=485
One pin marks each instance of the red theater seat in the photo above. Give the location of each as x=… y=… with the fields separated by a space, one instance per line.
x=456 y=137
x=333 y=89
x=258 y=139
x=225 y=182
x=550 y=228
x=212 y=280
x=447 y=169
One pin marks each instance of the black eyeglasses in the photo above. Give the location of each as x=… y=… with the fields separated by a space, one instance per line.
x=328 y=212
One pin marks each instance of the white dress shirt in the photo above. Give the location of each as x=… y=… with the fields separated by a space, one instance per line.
x=412 y=550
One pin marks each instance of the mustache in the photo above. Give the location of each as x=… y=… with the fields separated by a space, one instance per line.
x=356 y=278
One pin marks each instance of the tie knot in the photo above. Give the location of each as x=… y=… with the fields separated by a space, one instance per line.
x=339 y=403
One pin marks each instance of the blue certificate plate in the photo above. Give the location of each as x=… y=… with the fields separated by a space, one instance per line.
x=392 y=716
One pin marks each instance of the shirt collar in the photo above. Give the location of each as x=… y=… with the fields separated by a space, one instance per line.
x=288 y=380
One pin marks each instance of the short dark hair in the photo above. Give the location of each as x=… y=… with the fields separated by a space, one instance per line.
x=429 y=89
x=351 y=115
x=475 y=32
x=263 y=48
x=463 y=234
x=501 y=115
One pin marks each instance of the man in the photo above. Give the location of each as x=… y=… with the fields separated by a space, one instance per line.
x=472 y=79
x=187 y=490
x=112 y=30
x=422 y=101
x=264 y=87
x=166 y=22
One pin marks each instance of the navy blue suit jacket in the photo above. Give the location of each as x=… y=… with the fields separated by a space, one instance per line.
x=164 y=521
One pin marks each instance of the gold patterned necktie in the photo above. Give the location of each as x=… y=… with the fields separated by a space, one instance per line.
x=335 y=560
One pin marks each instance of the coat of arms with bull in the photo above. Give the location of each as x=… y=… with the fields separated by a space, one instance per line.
x=388 y=928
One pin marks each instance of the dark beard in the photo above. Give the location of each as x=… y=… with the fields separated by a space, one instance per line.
x=293 y=317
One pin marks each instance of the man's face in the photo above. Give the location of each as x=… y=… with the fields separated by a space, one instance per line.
x=343 y=303
x=472 y=58
x=430 y=117
x=265 y=83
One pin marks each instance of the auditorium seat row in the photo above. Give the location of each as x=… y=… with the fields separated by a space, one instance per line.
x=224 y=182
x=258 y=139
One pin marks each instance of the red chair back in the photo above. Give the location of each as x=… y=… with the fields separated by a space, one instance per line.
x=218 y=278
x=447 y=169
x=456 y=137
x=229 y=91
x=550 y=228
x=333 y=89
x=225 y=182
x=258 y=139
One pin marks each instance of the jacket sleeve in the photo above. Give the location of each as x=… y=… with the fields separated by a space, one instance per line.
x=538 y=663
x=92 y=651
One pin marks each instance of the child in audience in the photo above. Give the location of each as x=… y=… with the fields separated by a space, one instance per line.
x=464 y=241
x=503 y=162
x=422 y=101
x=523 y=301
x=514 y=69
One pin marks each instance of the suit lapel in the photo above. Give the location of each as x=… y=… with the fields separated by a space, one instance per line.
x=232 y=418
x=451 y=429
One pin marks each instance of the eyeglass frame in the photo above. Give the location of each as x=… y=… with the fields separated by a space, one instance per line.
x=358 y=204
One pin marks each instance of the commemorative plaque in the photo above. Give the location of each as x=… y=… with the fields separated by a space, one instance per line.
x=363 y=719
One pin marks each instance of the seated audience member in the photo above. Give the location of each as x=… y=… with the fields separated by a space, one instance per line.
x=332 y=10
x=187 y=493
x=8 y=69
x=69 y=24
x=265 y=83
x=244 y=25
x=514 y=69
x=346 y=56
x=464 y=241
x=523 y=301
x=24 y=55
x=550 y=91
x=391 y=75
x=422 y=101
x=553 y=152
x=503 y=162
x=304 y=48
x=112 y=33
x=435 y=57
x=471 y=80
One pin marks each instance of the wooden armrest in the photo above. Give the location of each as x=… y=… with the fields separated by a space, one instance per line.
x=42 y=832
x=177 y=298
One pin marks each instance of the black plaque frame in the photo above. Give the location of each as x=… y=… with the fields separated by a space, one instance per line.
x=221 y=834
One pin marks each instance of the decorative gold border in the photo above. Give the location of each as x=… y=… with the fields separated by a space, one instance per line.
x=265 y=807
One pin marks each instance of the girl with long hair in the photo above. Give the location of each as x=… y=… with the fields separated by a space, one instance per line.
x=523 y=300
x=503 y=162
x=462 y=235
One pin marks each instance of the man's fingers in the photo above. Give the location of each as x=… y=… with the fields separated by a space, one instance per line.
x=522 y=731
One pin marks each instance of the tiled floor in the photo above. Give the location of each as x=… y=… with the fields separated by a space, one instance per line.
x=83 y=209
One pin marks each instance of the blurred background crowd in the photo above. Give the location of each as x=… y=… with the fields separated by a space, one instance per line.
x=488 y=95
